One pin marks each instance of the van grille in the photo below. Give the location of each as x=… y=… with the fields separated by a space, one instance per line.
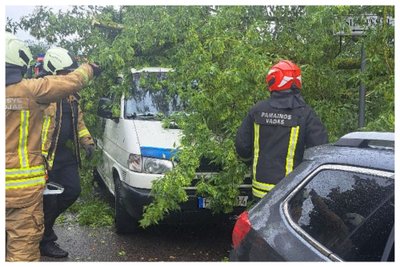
x=207 y=166
x=246 y=181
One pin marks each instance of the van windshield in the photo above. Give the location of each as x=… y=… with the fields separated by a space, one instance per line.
x=150 y=98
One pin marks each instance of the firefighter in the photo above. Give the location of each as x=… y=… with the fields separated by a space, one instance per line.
x=38 y=67
x=25 y=171
x=63 y=131
x=274 y=134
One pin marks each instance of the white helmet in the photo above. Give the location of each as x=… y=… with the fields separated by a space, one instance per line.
x=57 y=59
x=17 y=52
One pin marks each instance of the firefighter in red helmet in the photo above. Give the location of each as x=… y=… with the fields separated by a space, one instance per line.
x=276 y=131
x=38 y=67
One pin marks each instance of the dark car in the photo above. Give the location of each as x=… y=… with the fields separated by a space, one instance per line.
x=337 y=205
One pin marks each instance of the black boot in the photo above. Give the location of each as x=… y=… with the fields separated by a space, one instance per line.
x=52 y=249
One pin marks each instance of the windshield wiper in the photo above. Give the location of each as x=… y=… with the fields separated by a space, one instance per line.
x=131 y=116
x=143 y=116
x=146 y=116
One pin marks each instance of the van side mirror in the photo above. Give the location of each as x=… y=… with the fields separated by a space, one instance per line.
x=105 y=108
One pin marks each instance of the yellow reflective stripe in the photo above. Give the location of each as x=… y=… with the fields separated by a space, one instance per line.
x=256 y=148
x=25 y=172
x=23 y=183
x=262 y=186
x=45 y=131
x=23 y=139
x=294 y=134
x=258 y=193
x=84 y=74
x=261 y=189
x=38 y=167
x=50 y=161
x=83 y=133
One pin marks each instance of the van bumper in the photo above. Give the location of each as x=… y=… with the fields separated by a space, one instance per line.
x=136 y=198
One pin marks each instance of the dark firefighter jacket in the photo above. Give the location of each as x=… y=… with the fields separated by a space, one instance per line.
x=274 y=136
x=63 y=122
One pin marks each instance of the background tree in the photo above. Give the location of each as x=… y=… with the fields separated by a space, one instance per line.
x=227 y=51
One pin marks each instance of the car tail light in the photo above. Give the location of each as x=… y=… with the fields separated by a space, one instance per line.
x=241 y=229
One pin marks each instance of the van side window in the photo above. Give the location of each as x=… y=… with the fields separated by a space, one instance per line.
x=351 y=214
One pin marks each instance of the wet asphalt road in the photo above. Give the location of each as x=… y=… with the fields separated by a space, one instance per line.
x=169 y=242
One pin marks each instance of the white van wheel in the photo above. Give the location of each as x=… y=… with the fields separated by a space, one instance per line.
x=124 y=223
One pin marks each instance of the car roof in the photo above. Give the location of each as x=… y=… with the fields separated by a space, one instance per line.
x=365 y=149
x=368 y=139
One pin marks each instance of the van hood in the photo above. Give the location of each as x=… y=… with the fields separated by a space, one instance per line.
x=151 y=134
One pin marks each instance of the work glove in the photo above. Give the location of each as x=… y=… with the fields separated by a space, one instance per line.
x=89 y=149
x=96 y=69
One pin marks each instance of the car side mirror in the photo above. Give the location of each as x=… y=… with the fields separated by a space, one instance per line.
x=105 y=108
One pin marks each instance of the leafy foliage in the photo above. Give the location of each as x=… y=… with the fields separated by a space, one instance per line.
x=227 y=51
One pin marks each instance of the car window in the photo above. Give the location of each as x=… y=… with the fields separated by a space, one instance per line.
x=350 y=213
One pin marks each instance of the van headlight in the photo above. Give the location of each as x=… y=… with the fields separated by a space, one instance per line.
x=156 y=166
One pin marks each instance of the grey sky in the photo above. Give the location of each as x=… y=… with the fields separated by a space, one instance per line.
x=16 y=12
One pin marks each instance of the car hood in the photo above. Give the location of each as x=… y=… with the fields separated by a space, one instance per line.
x=153 y=134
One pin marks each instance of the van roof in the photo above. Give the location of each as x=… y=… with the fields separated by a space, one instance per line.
x=151 y=69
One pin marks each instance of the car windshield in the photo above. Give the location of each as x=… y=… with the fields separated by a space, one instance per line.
x=150 y=98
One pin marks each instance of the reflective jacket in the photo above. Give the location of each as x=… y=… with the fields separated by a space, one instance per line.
x=25 y=102
x=53 y=116
x=274 y=136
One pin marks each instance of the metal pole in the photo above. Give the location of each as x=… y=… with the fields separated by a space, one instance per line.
x=361 y=103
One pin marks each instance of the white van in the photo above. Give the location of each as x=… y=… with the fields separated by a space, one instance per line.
x=137 y=149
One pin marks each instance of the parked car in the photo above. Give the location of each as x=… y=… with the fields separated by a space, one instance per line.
x=338 y=205
x=137 y=149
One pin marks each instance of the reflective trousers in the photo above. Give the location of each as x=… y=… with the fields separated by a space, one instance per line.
x=24 y=230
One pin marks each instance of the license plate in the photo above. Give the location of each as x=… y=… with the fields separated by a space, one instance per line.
x=204 y=203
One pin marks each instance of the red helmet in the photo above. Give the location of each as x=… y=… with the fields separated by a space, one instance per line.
x=283 y=76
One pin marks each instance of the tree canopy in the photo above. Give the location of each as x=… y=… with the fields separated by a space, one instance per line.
x=228 y=50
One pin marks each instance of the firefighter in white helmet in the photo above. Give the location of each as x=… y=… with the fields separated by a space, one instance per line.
x=25 y=171
x=63 y=125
